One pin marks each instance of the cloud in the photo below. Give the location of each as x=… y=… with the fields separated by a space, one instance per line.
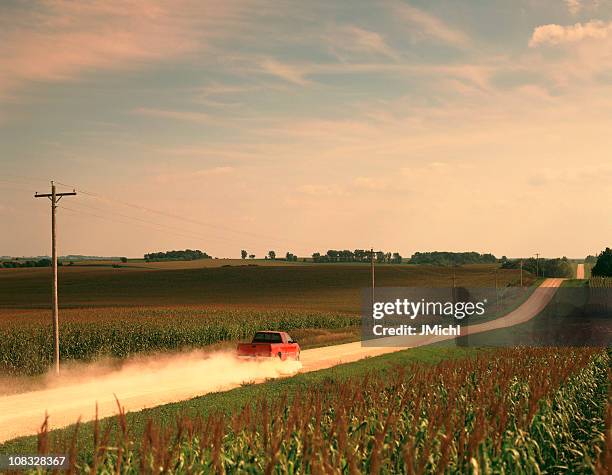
x=573 y=6
x=353 y=39
x=174 y=114
x=214 y=171
x=287 y=72
x=370 y=183
x=572 y=176
x=557 y=34
x=171 y=177
x=61 y=40
x=320 y=190
x=431 y=26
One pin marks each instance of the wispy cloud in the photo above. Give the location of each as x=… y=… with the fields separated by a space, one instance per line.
x=175 y=177
x=321 y=190
x=287 y=72
x=359 y=41
x=174 y=114
x=573 y=6
x=62 y=40
x=554 y=34
x=370 y=183
x=430 y=26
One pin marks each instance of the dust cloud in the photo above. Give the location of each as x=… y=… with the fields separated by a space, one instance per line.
x=139 y=383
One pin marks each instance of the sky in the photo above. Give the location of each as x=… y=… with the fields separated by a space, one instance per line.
x=304 y=126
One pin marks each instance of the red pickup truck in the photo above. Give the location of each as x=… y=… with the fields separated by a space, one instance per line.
x=267 y=344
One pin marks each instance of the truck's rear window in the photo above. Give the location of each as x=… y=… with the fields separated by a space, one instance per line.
x=267 y=338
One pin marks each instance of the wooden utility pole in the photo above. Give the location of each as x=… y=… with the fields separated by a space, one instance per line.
x=537 y=264
x=372 y=272
x=55 y=198
x=521 y=272
x=496 y=291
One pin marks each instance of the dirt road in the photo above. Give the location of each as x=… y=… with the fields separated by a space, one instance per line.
x=163 y=379
x=580 y=271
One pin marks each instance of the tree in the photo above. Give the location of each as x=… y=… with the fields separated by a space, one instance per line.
x=244 y=254
x=603 y=268
x=186 y=255
x=332 y=255
x=251 y=256
x=272 y=255
x=546 y=267
x=124 y=259
x=397 y=258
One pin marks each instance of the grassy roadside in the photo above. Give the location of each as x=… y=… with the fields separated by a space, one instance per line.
x=575 y=283
x=233 y=400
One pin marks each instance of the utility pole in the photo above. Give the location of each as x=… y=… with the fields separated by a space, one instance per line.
x=537 y=264
x=55 y=198
x=372 y=271
x=521 y=273
x=496 y=291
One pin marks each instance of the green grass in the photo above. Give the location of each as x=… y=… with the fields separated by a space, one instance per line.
x=575 y=283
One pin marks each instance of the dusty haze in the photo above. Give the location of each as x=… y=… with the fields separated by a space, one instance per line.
x=140 y=383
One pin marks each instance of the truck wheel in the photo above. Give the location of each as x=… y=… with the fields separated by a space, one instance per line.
x=280 y=356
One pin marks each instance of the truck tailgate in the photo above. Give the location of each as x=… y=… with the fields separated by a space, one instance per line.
x=255 y=349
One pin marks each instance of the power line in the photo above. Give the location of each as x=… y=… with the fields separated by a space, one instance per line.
x=16 y=186
x=29 y=180
x=167 y=214
x=173 y=229
x=267 y=240
x=157 y=227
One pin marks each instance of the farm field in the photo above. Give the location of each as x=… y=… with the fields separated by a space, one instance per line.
x=146 y=381
x=326 y=287
x=117 y=332
x=186 y=264
x=416 y=411
x=109 y=312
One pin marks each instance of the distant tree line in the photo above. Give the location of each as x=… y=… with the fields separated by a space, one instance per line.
x=443 y=258
x=186 y=255
x=603 y=267
x=358 y=255
x=559 y=267
x=29 y=263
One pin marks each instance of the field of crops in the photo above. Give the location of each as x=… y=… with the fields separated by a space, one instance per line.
x=509 y=411
x=119 y=312
x=600 y=282
x=325 y=287
x=26 y=345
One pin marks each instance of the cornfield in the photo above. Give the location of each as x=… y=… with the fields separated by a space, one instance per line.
x=600 y=282
x=88 y=334
x=509 y=411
